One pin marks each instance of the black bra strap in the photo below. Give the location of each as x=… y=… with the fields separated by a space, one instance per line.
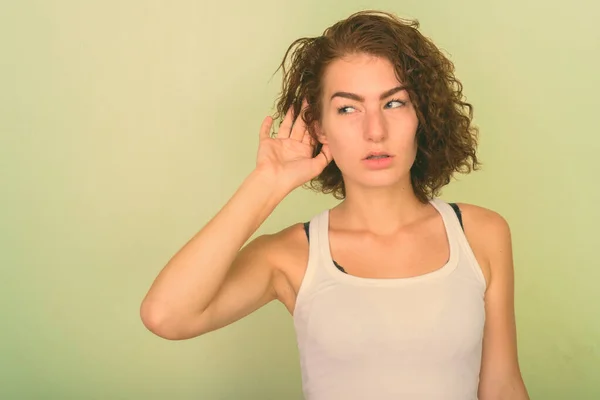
x=458 y=214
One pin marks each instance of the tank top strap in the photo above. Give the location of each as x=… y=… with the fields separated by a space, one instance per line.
x=455 y=229
x=315 y=261
x=320 y=263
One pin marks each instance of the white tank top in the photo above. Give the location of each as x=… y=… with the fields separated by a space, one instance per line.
x=377 y=339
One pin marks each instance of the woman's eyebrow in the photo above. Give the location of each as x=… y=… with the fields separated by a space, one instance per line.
x=354 y=96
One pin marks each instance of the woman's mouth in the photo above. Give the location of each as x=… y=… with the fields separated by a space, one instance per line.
x=378 y=161
x=376 y=157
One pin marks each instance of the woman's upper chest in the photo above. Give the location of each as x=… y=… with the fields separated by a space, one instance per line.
x=412 y=253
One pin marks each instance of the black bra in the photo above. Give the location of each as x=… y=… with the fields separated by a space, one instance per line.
x=453 y=205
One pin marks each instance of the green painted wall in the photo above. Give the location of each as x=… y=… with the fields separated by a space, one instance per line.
x=124 y=126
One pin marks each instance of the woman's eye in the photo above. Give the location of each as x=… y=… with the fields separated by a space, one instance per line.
x=345 y=110
x=395 y=104
x=389 y=104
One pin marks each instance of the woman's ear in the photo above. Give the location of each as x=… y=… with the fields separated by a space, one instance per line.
x=320 y=134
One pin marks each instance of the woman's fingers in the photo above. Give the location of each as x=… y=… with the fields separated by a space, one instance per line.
x=286 y=125
x=265 y=128
x=327 y=154
x=299 y=129
x=293 y=127
x=322 y=160
x=308 y=140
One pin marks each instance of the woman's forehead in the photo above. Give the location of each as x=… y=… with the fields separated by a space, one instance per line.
x=363 y=75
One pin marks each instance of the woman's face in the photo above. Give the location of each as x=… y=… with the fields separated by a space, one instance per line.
x=366 y=110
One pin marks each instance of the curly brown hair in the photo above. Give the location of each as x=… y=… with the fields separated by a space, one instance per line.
x=446 y=137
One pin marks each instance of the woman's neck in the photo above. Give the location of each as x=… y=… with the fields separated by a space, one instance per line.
x=382 y=211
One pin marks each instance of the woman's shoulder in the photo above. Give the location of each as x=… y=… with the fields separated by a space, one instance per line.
x=282 y=245
x=488 y=234
x=287 y=251
x=484 y=220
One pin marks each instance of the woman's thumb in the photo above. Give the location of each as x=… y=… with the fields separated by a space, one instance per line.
x=323 y=158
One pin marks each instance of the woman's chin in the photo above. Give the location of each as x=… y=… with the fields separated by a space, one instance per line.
x=382 y=181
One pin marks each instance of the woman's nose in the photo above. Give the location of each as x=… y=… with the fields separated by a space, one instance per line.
x=375 y=126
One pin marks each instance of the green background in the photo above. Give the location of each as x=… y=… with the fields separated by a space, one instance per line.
x=125 y=125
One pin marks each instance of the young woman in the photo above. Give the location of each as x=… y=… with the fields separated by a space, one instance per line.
x=395 y=294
